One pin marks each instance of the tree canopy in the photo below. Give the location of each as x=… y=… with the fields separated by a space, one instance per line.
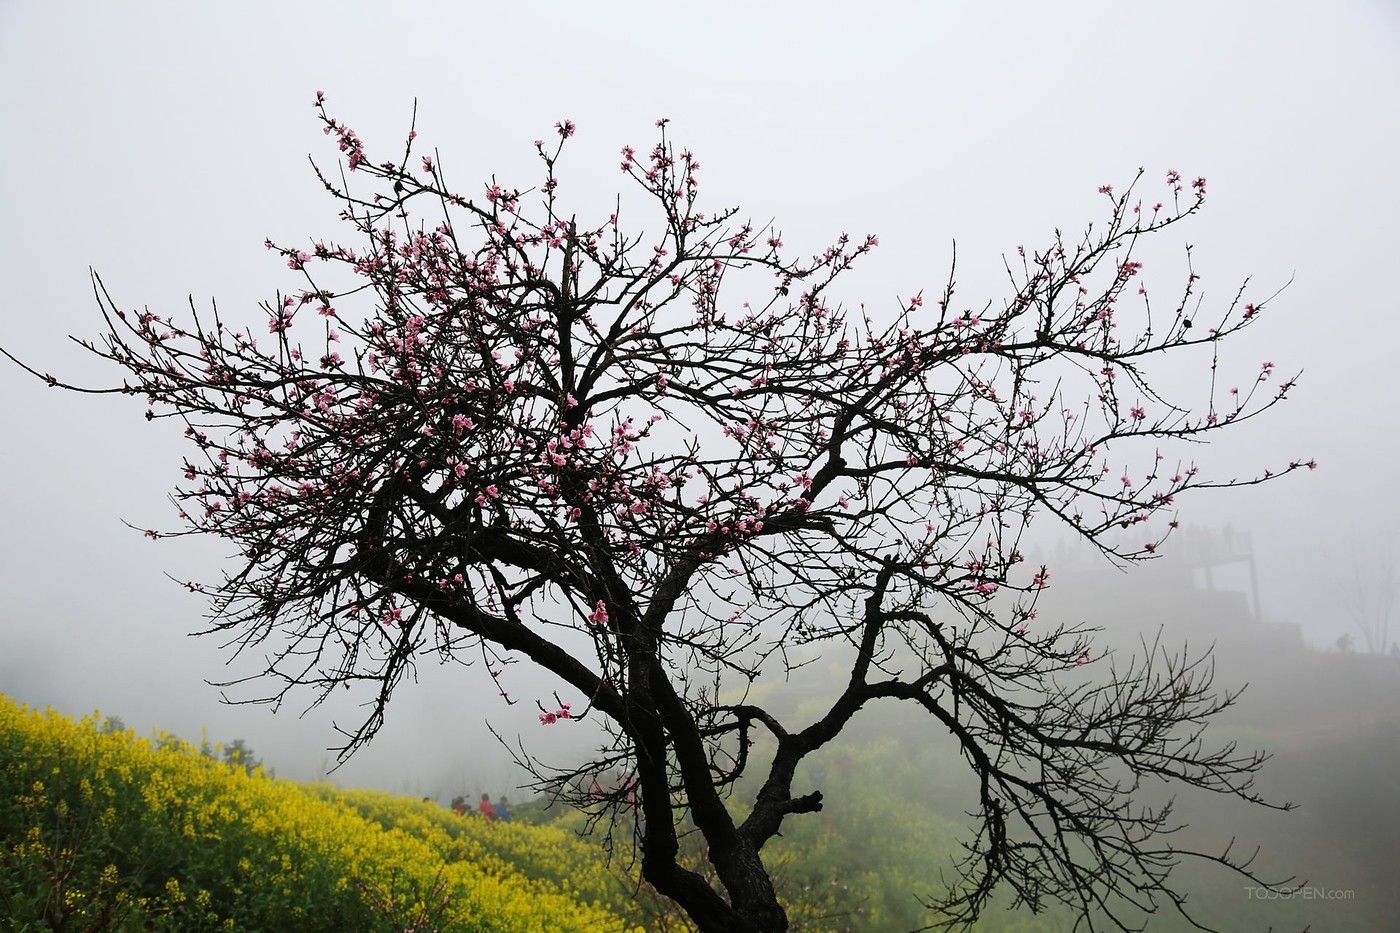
x=662 y=463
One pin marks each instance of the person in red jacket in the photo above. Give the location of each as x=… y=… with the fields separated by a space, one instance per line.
x=485 y=807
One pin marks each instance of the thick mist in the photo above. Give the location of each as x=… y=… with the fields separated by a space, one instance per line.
x=162 y=144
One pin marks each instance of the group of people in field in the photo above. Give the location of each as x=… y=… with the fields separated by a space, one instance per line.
x=498 y=811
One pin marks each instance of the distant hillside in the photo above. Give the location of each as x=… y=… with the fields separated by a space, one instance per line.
x=108 y=831
x=897 y=790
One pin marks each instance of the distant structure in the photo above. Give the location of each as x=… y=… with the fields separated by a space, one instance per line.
x=1205 y=549
x=1195 y=553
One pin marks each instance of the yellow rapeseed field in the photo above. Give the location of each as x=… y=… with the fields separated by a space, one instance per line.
x=110 y=831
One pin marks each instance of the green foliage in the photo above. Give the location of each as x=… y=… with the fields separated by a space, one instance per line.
x=887 y=836
x=895 y=801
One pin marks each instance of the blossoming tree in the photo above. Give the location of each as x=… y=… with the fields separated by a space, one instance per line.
x=654 y=464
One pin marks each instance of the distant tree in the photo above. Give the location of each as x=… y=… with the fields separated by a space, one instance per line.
x=238 y=754
x=113 y=725
x=492 y=430
x=1367 y=588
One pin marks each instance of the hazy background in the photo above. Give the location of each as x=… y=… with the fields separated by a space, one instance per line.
x=162 y=143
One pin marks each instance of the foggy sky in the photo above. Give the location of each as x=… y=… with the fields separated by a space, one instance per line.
x=161 y=143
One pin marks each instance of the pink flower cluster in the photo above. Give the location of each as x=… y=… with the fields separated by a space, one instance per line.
x=563 y=712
